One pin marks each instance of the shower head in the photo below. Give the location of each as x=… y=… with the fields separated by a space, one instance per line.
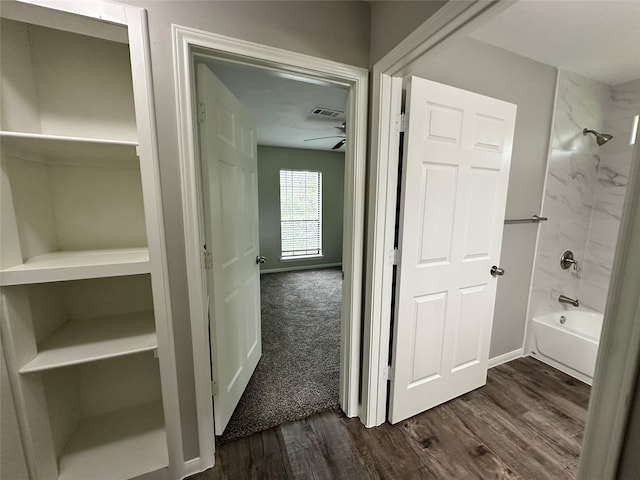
x=601 y=138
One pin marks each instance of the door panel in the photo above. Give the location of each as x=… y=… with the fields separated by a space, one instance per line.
x=454 y=186
x=429 y=322
x=229 y=185
x=438 y=205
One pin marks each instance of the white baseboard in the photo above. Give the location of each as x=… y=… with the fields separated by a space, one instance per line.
x=300 y=267
x=505 y=357
x=193 y=466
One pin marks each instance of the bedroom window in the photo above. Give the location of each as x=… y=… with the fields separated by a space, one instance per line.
x=300 y=214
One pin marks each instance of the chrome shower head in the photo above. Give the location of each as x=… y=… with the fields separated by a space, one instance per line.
x=601 y=138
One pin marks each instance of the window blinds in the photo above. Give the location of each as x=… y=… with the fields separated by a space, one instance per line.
x=300 y=213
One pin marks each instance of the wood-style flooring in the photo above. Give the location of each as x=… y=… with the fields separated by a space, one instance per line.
x=526 y=423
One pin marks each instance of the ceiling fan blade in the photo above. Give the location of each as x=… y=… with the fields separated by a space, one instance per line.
x=339 y=144
x=321 y=138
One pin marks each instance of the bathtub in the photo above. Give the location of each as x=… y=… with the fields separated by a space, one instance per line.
x=571 y=347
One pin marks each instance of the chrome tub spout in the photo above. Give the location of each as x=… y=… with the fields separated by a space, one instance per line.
x=570 y=301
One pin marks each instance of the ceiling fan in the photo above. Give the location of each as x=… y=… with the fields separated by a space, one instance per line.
x=343 y=138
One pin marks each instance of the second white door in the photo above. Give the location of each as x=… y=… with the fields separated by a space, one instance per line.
x=228 y=154
x=457 y=155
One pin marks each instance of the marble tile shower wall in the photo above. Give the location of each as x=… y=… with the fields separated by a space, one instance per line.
x=570 y=190
x=615 y=164
x=584 y=192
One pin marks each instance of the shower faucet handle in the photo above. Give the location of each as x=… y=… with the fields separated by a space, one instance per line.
x=566 y=260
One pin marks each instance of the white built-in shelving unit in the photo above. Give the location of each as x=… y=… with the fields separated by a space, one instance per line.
x=82 y=272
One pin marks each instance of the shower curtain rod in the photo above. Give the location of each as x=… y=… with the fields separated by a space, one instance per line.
x=532 y=219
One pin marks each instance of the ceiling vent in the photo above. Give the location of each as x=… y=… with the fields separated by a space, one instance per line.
x=326 y=112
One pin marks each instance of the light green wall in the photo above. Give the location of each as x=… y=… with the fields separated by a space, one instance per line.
x=270 y=161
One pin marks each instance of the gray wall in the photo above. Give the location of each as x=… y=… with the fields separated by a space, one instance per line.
x=331 y=164
x=334 y=30
x=393 y=21
x=629 y=466
x=490 y=71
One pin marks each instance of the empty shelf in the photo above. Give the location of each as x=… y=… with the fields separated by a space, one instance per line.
x=80 y=341
x=56 y=149
x=63 y=266
x=120 y=444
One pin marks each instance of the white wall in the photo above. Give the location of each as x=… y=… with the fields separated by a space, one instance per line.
x=570 y=189
x=611 y=188
x=491 y=71
x=334 y=30
x=585 y=191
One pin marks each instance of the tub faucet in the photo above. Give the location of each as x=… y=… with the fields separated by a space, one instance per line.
x=570 y=301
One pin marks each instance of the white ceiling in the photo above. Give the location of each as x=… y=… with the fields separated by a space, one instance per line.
x=281 y=104
x=598 y=39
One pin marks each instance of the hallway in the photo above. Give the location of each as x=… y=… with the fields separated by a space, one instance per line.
x=526 y=423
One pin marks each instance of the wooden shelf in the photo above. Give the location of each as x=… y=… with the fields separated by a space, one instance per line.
x=63 y=266
x=121 y=444
x=81 y=341
x=56 y=149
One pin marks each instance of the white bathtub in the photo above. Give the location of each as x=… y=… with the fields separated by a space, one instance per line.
x=571 y=347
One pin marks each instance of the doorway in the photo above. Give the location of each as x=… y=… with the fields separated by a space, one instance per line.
x=188 y=44
x=299 y=126
x=385 y=81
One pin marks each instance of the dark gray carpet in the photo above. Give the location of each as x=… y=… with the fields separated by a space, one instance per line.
x=298 y=374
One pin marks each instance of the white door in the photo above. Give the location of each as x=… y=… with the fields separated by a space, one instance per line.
x=454 y=189
x=228 y=156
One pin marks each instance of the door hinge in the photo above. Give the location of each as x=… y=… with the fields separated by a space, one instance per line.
x=387 y=373
x=395 y=257
x=202 y=112
x=208 y=260
x=214 y=387
x=402 y=123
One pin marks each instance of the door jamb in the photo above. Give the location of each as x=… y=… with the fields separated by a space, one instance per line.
x=186 y=42
x=617 y=364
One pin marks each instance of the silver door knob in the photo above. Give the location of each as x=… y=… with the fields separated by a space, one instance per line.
x=260 y=259
x=497 y=271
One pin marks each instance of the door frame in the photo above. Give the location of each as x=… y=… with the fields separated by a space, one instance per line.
x=187 y=44
x=617 y=365
x=452 y=21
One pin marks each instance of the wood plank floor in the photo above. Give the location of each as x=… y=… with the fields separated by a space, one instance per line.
x=526 y=423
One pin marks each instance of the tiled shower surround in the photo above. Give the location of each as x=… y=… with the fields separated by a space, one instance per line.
x=585 y=189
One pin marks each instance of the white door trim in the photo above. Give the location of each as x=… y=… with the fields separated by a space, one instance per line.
x=185 y=41
x=617 y=366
